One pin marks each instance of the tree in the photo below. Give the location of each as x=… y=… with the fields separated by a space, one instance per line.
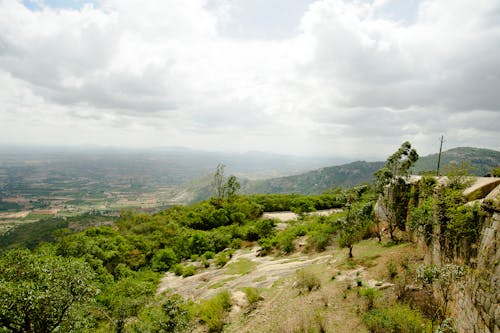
x=353 y=227
x=218 y=181
x=390 y=184
x=223 y=188
x=40 y=292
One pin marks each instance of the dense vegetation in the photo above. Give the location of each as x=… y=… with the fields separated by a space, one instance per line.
x=122 y=262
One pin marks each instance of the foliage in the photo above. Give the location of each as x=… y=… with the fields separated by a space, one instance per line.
x=297 y=202
x=41 y=292
x=440 y=279
x=127 y=297
x=163 y=260
x=124 y=260
x=481 y=160
x=370 y=294
x=422 y=219
x=30 y=235
x=213 y=312
x=397 y=318
x=168 y=315
x=354 y=225
x=222 y=187
x=390 y=184
x=221 y=259
x=189 y=270
x=252 y=295
x=460 y=224
x=319 y=181
x=446 y=327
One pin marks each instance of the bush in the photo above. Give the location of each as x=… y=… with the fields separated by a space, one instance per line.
x=285 y=242
x=266 y=246
x=252 y=294
x=163 y=260
x=208 y=255
x=213 y=312
x=397 y=318
x=221 y=259
x=178 y=269
x=171 y=315
x=370 y=294
x=307 y=281
x=188 y=271
x=318 y=240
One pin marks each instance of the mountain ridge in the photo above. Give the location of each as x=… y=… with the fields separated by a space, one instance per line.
x=480 y=162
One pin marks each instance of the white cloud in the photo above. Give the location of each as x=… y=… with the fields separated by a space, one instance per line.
x=351 y=79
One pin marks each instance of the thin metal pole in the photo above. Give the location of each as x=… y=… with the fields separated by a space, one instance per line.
x=439 y=156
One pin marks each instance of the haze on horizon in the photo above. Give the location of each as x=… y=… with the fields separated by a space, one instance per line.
x=300 y=77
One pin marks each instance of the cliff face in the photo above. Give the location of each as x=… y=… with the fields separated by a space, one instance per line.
x=477 y=306
x=475 y=302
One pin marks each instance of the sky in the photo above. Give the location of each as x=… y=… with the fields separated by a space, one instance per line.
x=301 y=77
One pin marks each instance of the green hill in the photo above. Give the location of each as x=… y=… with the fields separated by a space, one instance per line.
x=318 y=181
x=480 y=160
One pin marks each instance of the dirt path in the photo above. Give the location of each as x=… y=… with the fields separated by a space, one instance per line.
x=266 y=271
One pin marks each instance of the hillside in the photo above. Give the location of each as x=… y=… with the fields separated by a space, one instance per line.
x=223 y=266
x=481 y=162
x=318 y=181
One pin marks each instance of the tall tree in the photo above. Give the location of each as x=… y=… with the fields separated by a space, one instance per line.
x=223 y=188
x=390 y=184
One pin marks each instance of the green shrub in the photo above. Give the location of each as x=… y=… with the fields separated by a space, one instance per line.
x=221 y=259
x=171 y=315
x=397 y=318
x=213 y=312
x=178 y=269
x=188 y=271
x=252 y=294
x=163 y=260
x=285 y=243
x=318 y=240
x=208 y=255
x=370 y=294
x=266 y=246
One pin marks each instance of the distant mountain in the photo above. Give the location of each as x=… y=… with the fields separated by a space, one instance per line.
x=480 y=160
x=318 y=181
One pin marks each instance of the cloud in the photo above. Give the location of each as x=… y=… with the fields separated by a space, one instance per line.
x=349 y=77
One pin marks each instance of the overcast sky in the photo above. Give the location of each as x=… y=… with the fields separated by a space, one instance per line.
x=345 y=78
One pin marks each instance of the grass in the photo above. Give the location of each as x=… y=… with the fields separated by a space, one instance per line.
x=307 y=280
x=260 y=279
x=221 y=283
x=240 y=267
